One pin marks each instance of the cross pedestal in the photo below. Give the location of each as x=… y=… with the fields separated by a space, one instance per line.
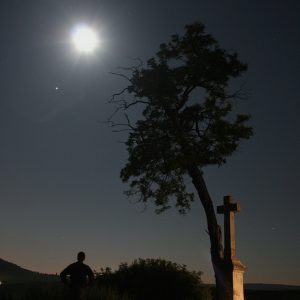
x=234 y=268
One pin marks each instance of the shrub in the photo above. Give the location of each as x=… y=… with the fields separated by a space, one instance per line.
x=155 y=279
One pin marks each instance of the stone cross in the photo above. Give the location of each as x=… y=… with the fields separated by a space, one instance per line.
x=229 y=209
x=234 y=268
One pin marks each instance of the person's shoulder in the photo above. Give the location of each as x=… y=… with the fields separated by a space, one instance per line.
x=72 y=266
x=87 y=267
x=68 y=269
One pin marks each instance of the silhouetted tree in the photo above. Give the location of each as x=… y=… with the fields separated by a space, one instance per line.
x=155 y=279
x=187 y=123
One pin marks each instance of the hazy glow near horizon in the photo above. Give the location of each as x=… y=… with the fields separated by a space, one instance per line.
x=85 y=39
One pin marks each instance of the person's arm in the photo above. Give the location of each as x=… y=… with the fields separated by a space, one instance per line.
x=91 y=276
x=63 y=275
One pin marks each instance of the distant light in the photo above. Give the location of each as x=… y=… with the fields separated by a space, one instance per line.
x=85 y=39
x=56 y=88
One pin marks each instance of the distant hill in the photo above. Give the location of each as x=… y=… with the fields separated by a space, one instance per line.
x=11 y=273
x=271 y=287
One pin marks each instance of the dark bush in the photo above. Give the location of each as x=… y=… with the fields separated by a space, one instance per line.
x=158 y=279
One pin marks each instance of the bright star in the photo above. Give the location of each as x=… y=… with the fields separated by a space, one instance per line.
x=85 y=39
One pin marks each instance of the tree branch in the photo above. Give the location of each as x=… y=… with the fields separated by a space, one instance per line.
x=185 y=96
x=121 y=75
x=112 y=99
x=128 y=124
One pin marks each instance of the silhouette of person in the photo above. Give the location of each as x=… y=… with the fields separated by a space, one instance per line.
x=78 y=277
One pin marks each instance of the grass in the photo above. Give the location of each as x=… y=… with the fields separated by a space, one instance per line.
x=53 y=291
x=56 y=291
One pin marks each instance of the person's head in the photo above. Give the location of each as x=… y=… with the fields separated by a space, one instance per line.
x=81 y=256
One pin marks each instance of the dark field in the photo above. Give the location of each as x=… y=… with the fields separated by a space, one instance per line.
x=272 y=295
x=53 y=291
x=56 y=291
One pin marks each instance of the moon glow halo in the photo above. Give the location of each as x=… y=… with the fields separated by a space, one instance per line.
x=85 y=39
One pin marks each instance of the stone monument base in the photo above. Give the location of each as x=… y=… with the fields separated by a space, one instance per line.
x=237 y=279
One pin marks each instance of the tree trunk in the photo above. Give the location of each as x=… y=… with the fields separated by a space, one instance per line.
x=215 y=235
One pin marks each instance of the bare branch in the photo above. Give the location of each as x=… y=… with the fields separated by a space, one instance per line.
x=137 y=102
x=128 y=121
x=112 y=99
x=238 y=94
x=132 y=68
x=121 y=75
x=114 y=124
x=109 y=120
x=121 y=130
x=137 y=59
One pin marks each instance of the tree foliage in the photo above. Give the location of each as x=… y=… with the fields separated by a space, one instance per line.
x=187 y=119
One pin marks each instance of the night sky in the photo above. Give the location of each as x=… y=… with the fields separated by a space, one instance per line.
x=60 y=190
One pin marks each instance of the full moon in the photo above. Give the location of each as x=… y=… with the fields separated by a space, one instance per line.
x=85 y=39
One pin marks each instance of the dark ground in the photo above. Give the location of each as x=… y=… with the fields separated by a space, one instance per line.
x=272 y=295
